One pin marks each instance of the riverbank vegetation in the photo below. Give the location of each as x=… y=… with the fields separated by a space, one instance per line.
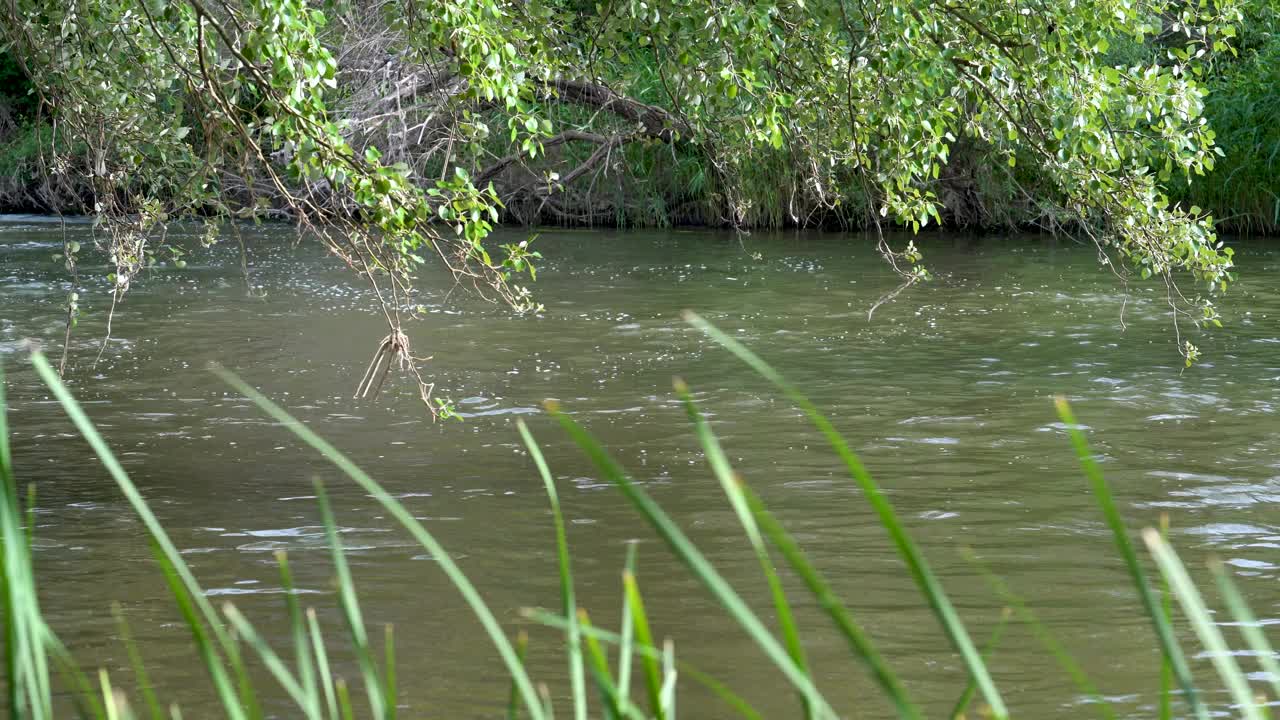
x=677 y=184
x=399 y=133
x=603 y=665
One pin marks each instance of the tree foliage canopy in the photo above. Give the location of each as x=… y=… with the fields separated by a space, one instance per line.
x=396 y=129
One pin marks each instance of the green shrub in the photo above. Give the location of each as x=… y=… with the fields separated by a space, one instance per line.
x=1243 y=108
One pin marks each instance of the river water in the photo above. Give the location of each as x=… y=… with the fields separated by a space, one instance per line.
x=946 y=393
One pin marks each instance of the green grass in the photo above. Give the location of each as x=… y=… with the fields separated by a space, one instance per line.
x=42 y=680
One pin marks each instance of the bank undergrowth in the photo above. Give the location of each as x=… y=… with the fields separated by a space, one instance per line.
x=664 y=185
x=43 y=680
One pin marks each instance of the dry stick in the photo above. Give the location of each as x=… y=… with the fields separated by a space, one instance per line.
x=888 y=297
x=75 y=289
x=115 y=297
x=373 y=363
x=244 y=260
x=383 y=378
x=396 y=343
x=883 y=246
x=62 y=222
x=124 y=275
x=1115 y=270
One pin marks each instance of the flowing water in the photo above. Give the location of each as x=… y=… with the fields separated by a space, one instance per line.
x=946 y=393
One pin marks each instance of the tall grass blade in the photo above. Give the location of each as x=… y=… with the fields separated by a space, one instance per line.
x=344 y=700
x=614 y=705
x=350 y=604
x=108 y=695
x=696 y=562
x=1167 y=679
x=544 y=693
x=29 y=642
x=569 y=604
x=1250 y=628
x=170 y=559
x=1102 y=493
x=204 y=643
x=31 y=520
x=26 y=662
x=668 y=693
x=722 y=691
x=915 y=561
x=26 y=696
x=652 y=672
x=513 y=696
x=389 y=662
x=21 y=622
x=86 y=699
x=411 y=524
x=6 y=459
x=1047 y=640
x=140 y=674
x=13 y=684
x=277 y=667
x=244 y=682
x=962 y=704
x=301 y=643
x=1194 y=608
x=849 y=629
x=322 y=664
x=729 y=482
x=628 y=626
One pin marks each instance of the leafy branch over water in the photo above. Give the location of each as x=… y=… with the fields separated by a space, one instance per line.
x=398 y=133
x=231 y=647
